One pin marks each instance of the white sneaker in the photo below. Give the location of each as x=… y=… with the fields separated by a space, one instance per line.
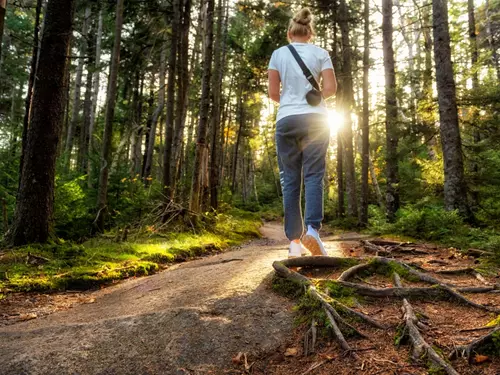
x=296 y=250
x=313 y=243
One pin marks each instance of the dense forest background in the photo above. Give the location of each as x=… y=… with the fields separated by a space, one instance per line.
x=128 y=113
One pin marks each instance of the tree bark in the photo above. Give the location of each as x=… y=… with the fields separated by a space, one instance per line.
x=169 y=125
x=183 y=87
x=347 y=104
x=102 y=196
x=76 y=96
x=242 y=121
x=95 y=95
x=455 y=191
x=391 y=113
x=31 y=83
x=475 y=87
x=216 y=113
x=201 y=141
x=156 y=114
x=365 y=153
x=87 y=102
x=3 y=11
x=35 y=203
x=491 y=41
x=149 y=122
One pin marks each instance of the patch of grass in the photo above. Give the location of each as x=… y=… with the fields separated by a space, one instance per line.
x=102 y=261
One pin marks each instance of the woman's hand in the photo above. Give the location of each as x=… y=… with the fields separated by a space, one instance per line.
x=274 y=85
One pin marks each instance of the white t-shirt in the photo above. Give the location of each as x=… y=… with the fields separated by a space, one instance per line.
x=294 y=85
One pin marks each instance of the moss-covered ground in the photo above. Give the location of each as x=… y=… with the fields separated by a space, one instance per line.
x=103 y=260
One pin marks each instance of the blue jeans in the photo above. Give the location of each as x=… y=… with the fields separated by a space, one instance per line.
x=302 y=142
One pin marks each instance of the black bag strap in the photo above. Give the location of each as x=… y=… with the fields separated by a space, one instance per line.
x=305 y=69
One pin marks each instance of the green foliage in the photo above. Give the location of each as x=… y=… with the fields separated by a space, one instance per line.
x=102 y=260
x=433 y=223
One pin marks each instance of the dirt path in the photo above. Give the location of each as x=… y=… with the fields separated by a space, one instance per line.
x=192 y=318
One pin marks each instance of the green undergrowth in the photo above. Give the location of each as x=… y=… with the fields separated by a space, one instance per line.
x=103 y=260
x=434 y=224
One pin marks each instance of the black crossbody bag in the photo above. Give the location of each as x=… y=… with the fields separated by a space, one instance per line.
x=314 y=96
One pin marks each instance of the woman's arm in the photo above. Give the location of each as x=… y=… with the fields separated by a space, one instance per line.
x=329 y=83
x=274 y=85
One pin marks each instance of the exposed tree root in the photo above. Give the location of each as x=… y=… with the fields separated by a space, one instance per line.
x=420 y=347
x=310 y=339
x=336 y=311
x=477 y=346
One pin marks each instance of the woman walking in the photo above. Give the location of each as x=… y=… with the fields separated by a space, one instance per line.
x=302 y=132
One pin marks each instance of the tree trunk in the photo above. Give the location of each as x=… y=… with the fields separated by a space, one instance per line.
x=242 y=121
x=491 y=41
x=102 y=196
x=455 y=191
x=201 y=140
x=156 y=114
x=138 y=128
x=216 y=113
x=347 y=104
x=373 y=175
x=95 y=95
x=31 y=83
x=391 y=113
x=340 y=145
x=183 y=85
x=365 y=153
x=149 y=122
x=169 y=125
x=76 y=95
x=35 y=203
x=3 y=11
x=475 y=87
x=87 y=103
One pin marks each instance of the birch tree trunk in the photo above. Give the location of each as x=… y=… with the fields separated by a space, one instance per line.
x=455 y=190
x=102 y=195
x=35 y=201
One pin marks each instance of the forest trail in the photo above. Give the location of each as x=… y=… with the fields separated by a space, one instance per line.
x=191 y=318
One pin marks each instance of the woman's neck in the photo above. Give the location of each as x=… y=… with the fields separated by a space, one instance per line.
x=299 y=40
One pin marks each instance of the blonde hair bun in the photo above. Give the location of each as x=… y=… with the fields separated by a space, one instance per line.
x=303 y=17
x=302 y=24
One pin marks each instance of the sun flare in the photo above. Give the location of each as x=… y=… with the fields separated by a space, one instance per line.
x=335 y=121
